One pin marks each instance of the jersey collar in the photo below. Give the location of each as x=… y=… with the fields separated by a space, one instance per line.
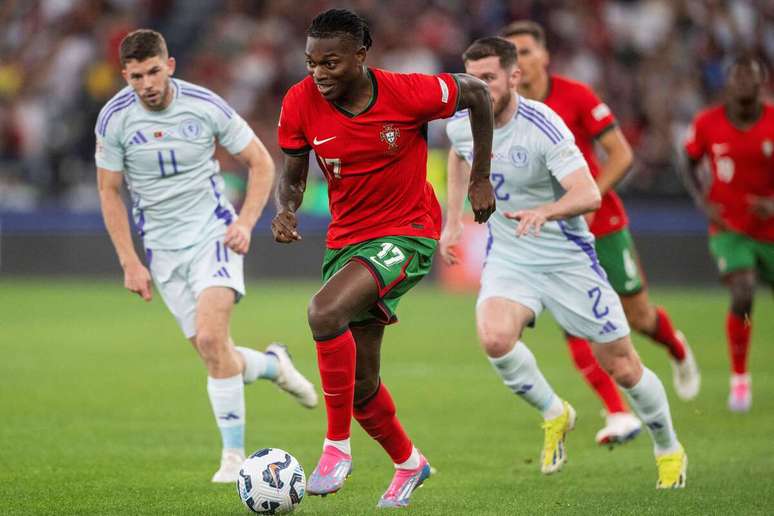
x=374 y=93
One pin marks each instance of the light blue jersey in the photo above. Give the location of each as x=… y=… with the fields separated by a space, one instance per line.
x=168 y=161
x=532 y=153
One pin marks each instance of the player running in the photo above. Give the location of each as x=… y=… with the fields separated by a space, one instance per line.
x=737 y=138
x=367 y=128
x=540 y=253
x=591 y=121
x=159 y=135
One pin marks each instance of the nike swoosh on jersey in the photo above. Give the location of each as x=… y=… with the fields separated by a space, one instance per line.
x=320 y=142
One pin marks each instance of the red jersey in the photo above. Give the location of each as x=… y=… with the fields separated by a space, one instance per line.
x=742 y=164
x=588 y=118
x=376 y=161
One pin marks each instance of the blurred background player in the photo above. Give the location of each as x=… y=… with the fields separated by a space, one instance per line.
x=159 y=134
x=592 y=122
x=540 y=254
x=367 y=128
x=737 y=138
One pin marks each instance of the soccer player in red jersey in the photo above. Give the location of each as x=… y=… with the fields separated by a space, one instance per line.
x=367 y=128
x=737 y=138
x=590 y=121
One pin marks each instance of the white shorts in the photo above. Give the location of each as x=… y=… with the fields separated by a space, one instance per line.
x=181 y=275
x=582 y=302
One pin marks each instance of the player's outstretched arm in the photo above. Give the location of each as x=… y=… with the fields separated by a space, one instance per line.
x=259 y=181
x=290 y=194
x=136 y=276
x=618 y=161
x=581 y=196
x=458 y=178
x=474 y=95
x=689 y=173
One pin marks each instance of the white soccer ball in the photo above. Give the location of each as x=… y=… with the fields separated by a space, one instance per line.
x=271 y=481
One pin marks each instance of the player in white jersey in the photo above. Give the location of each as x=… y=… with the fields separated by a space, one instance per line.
x=540 y=254
x=158 y=134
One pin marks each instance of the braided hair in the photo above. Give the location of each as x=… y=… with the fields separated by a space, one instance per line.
x=341 y=22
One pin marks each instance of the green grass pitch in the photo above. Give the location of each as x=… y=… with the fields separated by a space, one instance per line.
x=103 y=410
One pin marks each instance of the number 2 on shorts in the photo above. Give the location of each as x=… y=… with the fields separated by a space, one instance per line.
x=596 y=294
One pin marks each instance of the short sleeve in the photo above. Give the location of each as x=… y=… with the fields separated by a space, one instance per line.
x=430 y=97
x=561 y=154
x=109 y=153
x=233 y=133
x=694 y=142
x=290 y=134
x=596 y=116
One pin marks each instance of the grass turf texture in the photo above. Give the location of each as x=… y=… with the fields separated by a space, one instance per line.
x=104 y=410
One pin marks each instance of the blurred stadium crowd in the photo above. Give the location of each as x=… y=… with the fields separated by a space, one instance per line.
x=655 y=62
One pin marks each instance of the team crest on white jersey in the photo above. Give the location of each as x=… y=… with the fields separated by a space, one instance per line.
x=190 y=128
x=767 y=147
x=390 y=135
x=519 y=156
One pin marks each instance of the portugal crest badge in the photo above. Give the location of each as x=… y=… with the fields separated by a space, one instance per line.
x=390 y=135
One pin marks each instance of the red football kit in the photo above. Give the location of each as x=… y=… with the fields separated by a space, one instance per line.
x=375 y=162
x=588 y=118
x=742 y=163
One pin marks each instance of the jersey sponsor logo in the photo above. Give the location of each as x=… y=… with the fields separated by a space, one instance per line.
x=320 y=142
x=190 y=128
x=767 y=147
x=390 y=135
x=519 y=156
x=600 y=112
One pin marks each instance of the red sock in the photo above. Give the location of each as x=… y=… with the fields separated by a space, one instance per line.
x=336 y=362
x=738 y=334
x=596 y=377
x=378 y=418
x=665 y=334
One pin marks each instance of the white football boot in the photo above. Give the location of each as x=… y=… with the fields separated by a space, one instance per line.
x=620 y=428
x=686 y=378
x=230 y=463
x=289 y=379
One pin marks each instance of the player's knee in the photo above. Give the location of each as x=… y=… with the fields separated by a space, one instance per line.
x=642 y=318
x=496 y=340
x=365 y=388
x=742 y=293
x=324 y=318
x=620 y=360
x=210 y=346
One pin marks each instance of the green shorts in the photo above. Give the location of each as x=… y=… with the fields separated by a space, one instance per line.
x=396 y=263
x=735 y=251
x=618 y=257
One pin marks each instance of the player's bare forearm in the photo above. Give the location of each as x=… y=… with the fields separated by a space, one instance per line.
x=457 y=179
x=292 y=183
x=115 y=216
x=260 y=179
x=290 y=195
x=474 y=96
x=618 y=161
x=581 y=196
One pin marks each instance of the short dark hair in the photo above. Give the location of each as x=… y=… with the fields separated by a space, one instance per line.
x=341 y=22
x=492 y=46
x=749 y=60
x=525 y=27
x=142 y=44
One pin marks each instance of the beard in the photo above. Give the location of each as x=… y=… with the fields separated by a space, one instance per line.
x=501 y=105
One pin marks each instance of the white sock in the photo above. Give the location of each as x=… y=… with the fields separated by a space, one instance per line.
x=227 y=397
x=258 y=365
x=649 y=401
x=342 y=446
x=520 y=373
x=412 y=462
